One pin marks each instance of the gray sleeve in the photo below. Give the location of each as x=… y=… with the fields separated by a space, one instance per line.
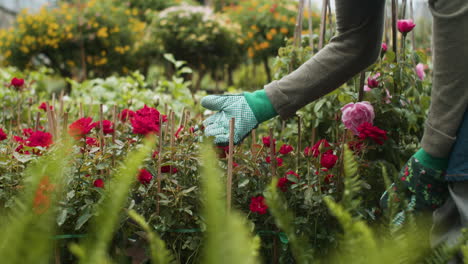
x=356 y=46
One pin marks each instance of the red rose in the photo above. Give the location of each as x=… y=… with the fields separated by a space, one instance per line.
x=283 y=184
x=329 y=178
x=328 y=160
x=99 y=183
x=285 y=149
x=279 y=161
x=3 y=136
x=81 y=127
x=27 y=132
x=257 y=205
x=367 y=130
x=144 y=176
x=43 y=107
x=39 y=139
x=17 y=82
x=293 y=173
x=145 y=121
x=126 y=114
x=107 y=125
x=178 y=131
x=320 y=145
x=166 y=169
x=155 y=154
x=266 y=141
x=90 y=141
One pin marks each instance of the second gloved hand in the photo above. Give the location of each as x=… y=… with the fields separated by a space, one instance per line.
x=248 y=109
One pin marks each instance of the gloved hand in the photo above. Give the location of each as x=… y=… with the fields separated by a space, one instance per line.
x=248 y=109
x=421 y=183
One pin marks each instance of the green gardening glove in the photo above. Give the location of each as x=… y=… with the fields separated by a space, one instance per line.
x=421 y=184
x=248 y=109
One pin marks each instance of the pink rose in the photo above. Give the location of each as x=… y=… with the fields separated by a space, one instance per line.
x=367 y=89
x=354 y=114
x=384 y=47
x=420 y=71
x=372 y=81
x=405 y=25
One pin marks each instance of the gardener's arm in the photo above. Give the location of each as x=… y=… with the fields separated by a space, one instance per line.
x=356 y=46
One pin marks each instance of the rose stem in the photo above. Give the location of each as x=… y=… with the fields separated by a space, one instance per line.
x=230 y=163
x=272 y=154
x=159 y=163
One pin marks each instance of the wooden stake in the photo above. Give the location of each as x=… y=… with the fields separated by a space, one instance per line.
x=361 y=86
x=65 y=122
x=299 y=139
x=81 y=110
x=323 y=24
x=160 y=149
x=38 y=120
x=272 y=154
x=101 y=127
x=298 y=29
x=114 y=121
x=311 y=30
x=230 y=164
x=254 y=140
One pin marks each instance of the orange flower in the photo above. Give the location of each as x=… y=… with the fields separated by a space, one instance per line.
x=41 y=201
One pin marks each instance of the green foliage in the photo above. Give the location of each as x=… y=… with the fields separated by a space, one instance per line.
x=94 y=247
x=159 y=252
x=195 y=34
x=228 y=239
x=30 y=219
x=284 y=219
x=99 y=37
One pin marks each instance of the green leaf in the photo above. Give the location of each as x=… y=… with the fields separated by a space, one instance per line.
x=62 y=217
x=83 y=219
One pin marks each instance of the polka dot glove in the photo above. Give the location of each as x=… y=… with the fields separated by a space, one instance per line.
x=228 y=106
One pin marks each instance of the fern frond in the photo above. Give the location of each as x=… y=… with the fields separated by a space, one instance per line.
x=159 y=253
x=96 y=243
x=228 y=239
x=445 y=252
x=283 y=218
x=352 y=182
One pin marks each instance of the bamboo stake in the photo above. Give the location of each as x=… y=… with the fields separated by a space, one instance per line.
x=272 y=154
x=160 y=149
x=298 y=29
x=38 y=120
x=54 y=123
x=65 y=122
x=254 y=141
x=299 y=139
x=323 y=24
x=114 y=122
x=81 y=110
x=230 y=164
x=411 y=8
x=101 y=127
x=394 y=35
x=311 y=30
x=361 y=86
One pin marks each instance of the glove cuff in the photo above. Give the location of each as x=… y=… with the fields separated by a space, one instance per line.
x=429 y=161
x=261 y=106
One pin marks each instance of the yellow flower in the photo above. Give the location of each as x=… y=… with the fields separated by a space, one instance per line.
x=273 y=31
x=284 y=30
x=102 y=33
x=254 y=28
x=7 y=53
x=250 y=52
x=70 y=63
x=269 y=36
x=250 y=34
x=24 y=49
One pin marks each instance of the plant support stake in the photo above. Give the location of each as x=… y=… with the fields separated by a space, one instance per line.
x=230 y=163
